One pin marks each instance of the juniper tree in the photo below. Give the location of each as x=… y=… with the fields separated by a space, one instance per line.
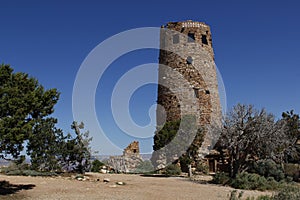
x=23 y=103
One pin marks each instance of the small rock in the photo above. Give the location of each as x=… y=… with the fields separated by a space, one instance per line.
x=113 y=186
x=106 y=180
x=80 y=179
x=120 y=183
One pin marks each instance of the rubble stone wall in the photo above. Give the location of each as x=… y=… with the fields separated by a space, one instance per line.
x=186 y=47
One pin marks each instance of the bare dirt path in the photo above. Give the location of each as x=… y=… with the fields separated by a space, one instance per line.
x=136 y=188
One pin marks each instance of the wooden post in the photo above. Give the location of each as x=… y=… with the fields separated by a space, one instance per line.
x=190 y=170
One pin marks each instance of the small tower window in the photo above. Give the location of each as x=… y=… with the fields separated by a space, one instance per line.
x=176 y=39
x=204 y=39
x=191 y=37
x=189 y=60
x=196 y=92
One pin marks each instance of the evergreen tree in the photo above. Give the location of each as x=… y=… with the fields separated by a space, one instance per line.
x=24 y=103
x=46 y=146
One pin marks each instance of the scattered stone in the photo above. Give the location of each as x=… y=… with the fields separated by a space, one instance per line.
x=120 y=183
x=103 y=171
x=113 y=186
x=79 y=179
x=106 y=180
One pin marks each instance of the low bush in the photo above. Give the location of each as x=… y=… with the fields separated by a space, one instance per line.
x=144 y=167
x=249 y=181
x=173 y=170
x=290 y=192
x=268 y=168
x=29 y=173
x=221 y=178
x=96 y=165
x=234 y=195
x=292 y=170
x=202 y=167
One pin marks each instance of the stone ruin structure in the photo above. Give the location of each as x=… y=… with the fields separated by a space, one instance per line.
x=188 y=85
x=127 y=162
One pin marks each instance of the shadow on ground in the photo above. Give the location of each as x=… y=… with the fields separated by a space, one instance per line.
x=7 y=188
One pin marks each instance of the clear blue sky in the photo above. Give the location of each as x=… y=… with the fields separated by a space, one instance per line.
x=256 y=43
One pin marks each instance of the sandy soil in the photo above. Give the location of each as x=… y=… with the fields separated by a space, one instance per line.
x=136 y=188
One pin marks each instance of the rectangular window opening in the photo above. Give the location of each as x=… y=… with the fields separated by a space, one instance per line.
x=204 y=39
x=176 y=39
x=196 y=92
x=191 y=37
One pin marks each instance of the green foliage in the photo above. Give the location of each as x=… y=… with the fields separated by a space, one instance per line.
x=29 y=173
x=292 y=170
x=166 y=134
x=234 y=195
x=268 y=168
x=23 y=103
x=45 y=146
x=144 y=167
x=289 y=192
x=221 y=178
x=202 y=167
x=185 y=160
x=262 y=197
x=186 y=138
x=173 y=170
x=77 y=152
x=249 y=181
x=292 y=120
x=96 y=165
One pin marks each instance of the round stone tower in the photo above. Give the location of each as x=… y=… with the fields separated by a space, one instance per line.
x=187 y=80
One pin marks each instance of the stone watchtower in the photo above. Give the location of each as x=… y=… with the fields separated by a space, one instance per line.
x=187 y=80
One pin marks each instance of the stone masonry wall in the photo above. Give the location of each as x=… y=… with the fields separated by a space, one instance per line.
x=186 y=48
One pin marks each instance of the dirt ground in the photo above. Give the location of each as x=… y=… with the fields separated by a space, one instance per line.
x=136 y=188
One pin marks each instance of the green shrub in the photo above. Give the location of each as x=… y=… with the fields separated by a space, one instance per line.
x=221 y=178
x=173 y=170
x=253 y=182
x=144 y=167
x=292 y=170
x=263 y=197
x=96 y=165
x=268 y=168
x=29 y=173
x=290 y=192
x=235 y=196
x=202 y=167
x=185 y=161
